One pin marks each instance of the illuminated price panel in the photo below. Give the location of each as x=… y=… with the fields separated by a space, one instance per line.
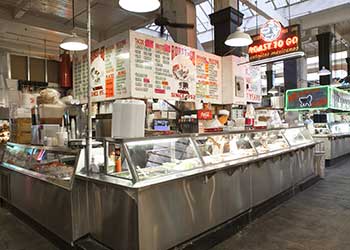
x=274 y=40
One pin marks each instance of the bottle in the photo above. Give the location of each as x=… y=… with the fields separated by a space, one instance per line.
x=118 y=160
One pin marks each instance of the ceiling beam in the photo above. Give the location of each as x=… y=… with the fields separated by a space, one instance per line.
x=22 y=7
x=264 y=10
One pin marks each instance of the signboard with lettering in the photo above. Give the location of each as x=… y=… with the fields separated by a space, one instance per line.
x=307 y=98
x=339 y=99
x=274 y=40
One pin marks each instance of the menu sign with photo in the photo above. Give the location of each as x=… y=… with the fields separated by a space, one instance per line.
x=98 y=74
x=163 y=69
x=253 y=84
x=142 y=66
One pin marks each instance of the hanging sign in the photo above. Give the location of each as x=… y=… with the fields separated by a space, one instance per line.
x=307 y=98
x=274 y=40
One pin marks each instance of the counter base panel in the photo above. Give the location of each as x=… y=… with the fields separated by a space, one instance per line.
x=222 y=232
x=335 y=147
x=54 y=208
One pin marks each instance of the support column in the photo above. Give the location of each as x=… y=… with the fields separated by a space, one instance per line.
x=324 y=55
x=225 y=20
x=290 y=74
x=302 y=72
x=269 y=76
x=182 y=11
x=348 y=64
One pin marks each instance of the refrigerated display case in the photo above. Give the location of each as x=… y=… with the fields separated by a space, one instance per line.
x=40 y=183
x=336 y=138
x=164 y=191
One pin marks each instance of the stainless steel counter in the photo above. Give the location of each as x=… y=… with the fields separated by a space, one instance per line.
x=163 y=214
x=336 y=145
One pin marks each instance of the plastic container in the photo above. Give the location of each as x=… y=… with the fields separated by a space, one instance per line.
x=128 y=119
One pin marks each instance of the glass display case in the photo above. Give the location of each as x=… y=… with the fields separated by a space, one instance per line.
x=53 y=165
x=298 y=136
x=151 y=158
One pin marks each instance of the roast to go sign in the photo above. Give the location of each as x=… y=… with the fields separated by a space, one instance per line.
x=274 y=41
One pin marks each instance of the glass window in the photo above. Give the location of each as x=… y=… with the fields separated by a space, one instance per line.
x=117 y=164
x=19 y=67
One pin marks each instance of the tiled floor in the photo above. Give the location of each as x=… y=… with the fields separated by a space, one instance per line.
x=15 y=235
x=316 y=219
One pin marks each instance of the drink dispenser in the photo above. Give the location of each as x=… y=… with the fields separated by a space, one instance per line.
x=128 y=119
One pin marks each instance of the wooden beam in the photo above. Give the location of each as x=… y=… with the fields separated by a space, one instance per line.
x=22 y=7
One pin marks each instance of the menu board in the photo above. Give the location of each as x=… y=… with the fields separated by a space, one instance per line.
x=142 y=66
x=121 y=69
x=208 y=77
x=340 y=99
x=148 y=67
x=80 y=77
x=166 y=70
x=108 y=74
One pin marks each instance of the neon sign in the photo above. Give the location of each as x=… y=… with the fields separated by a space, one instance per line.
x=273 y=41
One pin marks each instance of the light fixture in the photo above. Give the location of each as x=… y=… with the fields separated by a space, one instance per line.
x=73 y=43
x=238 y=39
x=139 y=6
x=324 y=72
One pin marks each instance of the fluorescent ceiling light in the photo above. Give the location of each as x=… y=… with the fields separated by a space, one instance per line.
x=139 y=6
x=73 y=43
x=238 y=39
x=324 y=72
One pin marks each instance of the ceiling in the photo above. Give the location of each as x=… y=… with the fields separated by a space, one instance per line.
x=38 y=26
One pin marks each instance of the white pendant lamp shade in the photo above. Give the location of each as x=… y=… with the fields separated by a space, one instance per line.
x=73 y=43
x=238 y=39
x=139 y=6
x=324 y=72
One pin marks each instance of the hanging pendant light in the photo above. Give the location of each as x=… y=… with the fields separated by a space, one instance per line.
x=73 y=43
x=324 y=72
x=139 y=6
x=238 y=38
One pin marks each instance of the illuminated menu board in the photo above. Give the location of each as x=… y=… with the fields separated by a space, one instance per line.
x=274 y=40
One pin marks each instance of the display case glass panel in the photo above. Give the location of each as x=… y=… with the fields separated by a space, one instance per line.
x=224 y=148
x=298 y=136
x=159 y=157
x=269 y=141
x=339 y=128
x=54 y=166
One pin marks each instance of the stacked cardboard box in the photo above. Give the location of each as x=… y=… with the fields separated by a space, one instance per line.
x=21 y=131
